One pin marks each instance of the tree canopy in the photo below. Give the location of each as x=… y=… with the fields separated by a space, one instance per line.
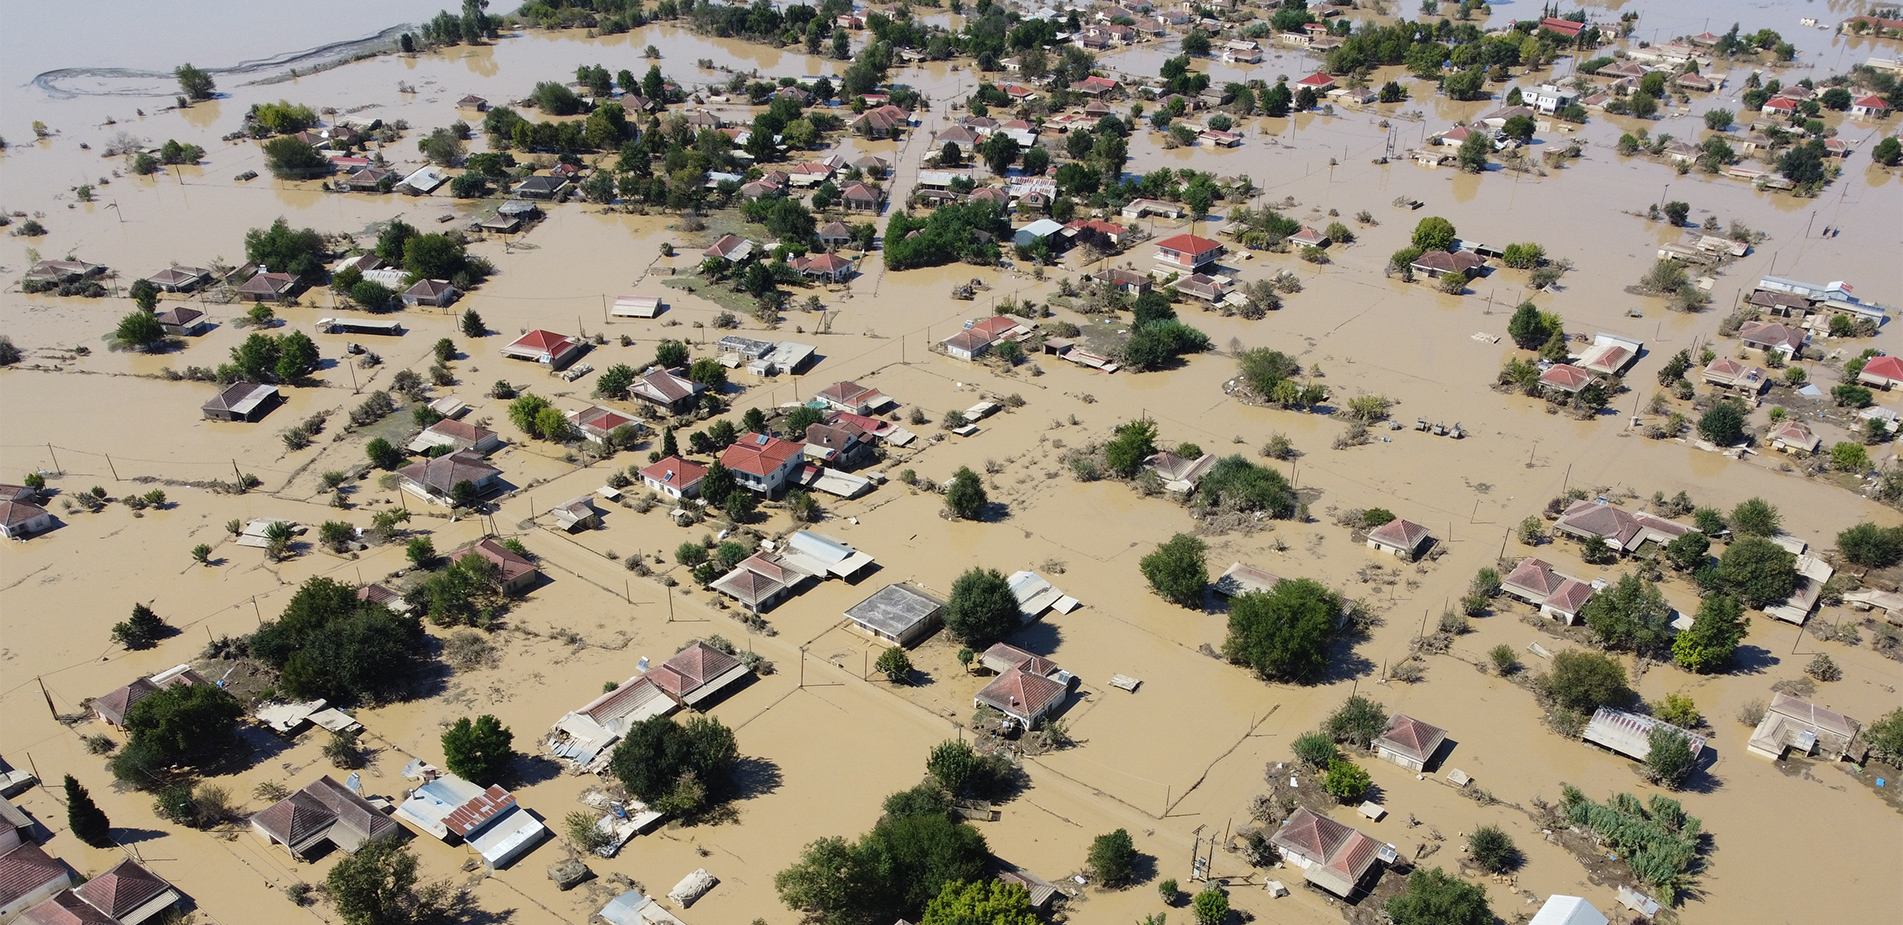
x=667 y=764
x=1631 y=615
x=965 y=495
x=982 y=609
x=1283 y=633
x=1582 y=682
x=894 y=871
x=1714 y=635
x=987 y=902
x=1758 y=571
x=1433 y=897
x=329 y=644
x=481 y=752
x=283 y=250
x=1176 y=570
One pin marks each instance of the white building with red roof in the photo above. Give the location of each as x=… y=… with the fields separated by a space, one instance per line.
x=1318 y=82
x=761 y=462
x=1187 y=253
x=1023 y=696
x=1869 y=107
x=697 y=672
x=1882 y=372
x=545 y=347
x=674 y=477
x=853 y=398
x=597 y=422
x=1401 y=538
x=1565 y=377
x=1331 y=855
x=1409 y=742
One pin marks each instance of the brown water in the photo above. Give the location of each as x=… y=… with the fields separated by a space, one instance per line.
x=1193 y=739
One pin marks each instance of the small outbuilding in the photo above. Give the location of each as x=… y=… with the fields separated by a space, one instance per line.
x=242 y=401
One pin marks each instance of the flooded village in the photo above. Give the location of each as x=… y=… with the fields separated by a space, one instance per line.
x=952 y=462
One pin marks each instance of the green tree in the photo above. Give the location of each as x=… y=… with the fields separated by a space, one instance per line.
x=658 y=756
x=1316 y=749
x=1754 y=517
x=290 y=158
x=142 y=630
x=1758 y=571
x=472 y=324
x=285 y=250
x=1283 y=633
x=1176 y=570
x=670 y=354
x=1434 y=233
x=614 y=381
x=985 y=902
x=434 y=256
x=1888 y=152
x=1211 y=906
x=895 y=665
x=1112 y=858
x=1133 y=441
x=1472 y=156
x=1582 y=682
x=1690 y=552
x=1885 y=737
x=1668 y=761
x=84 y=817
x=1630 y=615
x=1434 y=898
x=1493 y=850
x=1346 y=781
x=421 y=552
x=329 y=644
x=1358 y=721
x=1871 y=546
x=194 y=83
x=965 y=496
x=383 y=454
x=186 y=725
x=376 y=885
x=481 y=752
x=1722 y=423
x=982 y=609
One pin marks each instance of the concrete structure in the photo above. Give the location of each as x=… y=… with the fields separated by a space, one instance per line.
x=325 y=813
x=761 y=462
x=897 y=613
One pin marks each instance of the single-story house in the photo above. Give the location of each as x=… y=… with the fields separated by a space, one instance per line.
x=113 y=708
x=474 y=103
x=1567 y=910
x=242 y=401
x=897 y=613
x=487 y=820
x=1409 y=742
x=1128 y=281
x=545 y=347
x=1435 y=264
x=859 y=197
x=1036 y=595
x=966 y=345
x=1869 y=107
x=1043 y=229
x=1548 y=98
x=1244 y=579
x=696 y=673
x=183 y=322
x=597 y=423
x=324 y=813
x=271 y=287
x=62 y=271
x=433 y=292
x=21 y=519
x=1812 y=573
x=435 y=479
x=762 y=462
x=583 y=736
x=1319 y=82
x=666 y=389
x=1179 y=473
x=822 y=556
x=731 y=248
x=1401 y=538
x=576 y=514
x=29 y=877
x=372 y=180
x=1694 y=81
x=1003 y=657
x=1728 y=373
x=1792 y=723
x=632 y=907
x=1204 y=286
x=823 y=266
x=1793 y=437
x=1882 y=372
x=1308 y=237
x=1557 y=596
x=1609 y=355
x=674 y=477
x=456 y=435
x=1565 y=377
x=1622 y=531
x=1331 y=855
x=636 y=306
x=853 y=398
x=835 y=234
x=1772 y=335
x=1187 y=253
x=1138 y=208
x=127 y=894
x=760 y=581
x=517 y=572
x=541 y=187
x=179 y=279
x=1566 y=601
x=1629 y=734
x=834 y=444
x=1024 y=696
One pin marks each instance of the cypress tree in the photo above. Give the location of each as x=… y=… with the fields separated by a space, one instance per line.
x=85 y=818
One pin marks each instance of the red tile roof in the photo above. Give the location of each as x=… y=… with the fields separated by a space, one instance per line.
x=66 y=908
x=691 y=668
x=1415 y=738
x=676 y=472
x=1535 y=575
x=1188 y=244
x=1886 y=367
x=26 y=868
x=758 y=454
x=547 y=341
x=1316 y=80
x=1571 y=595
x=1022 y=694
x=1405 y=534
x=122 y=889
x=513 y=566
x=1566 y=378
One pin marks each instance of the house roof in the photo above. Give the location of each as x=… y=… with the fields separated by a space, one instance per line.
x=623 y=701
x=968 y=341
x=1771 y=334
x=665 y=386
x=1243 y=579
x=15 y=513
x=1188 y=244
x=240 y=397
x=1411 y=737
x=180 y=316
x=430 y=288
x=479 y=810
x=602 y=419
x=1629 y=733
x=859 y=192
x=894 y=610
x=846 y=392
x=1445 y=262
x=462 y=432
x=675 y=471
x=444 y=473
x=1796 y=433
x=1310 y=835
x=178 y=276
x=1566 y=377
x=1571 y=595
x=1316 y=80
x=1872 y=101
x=759 y=454
x=1014 y=657
x=124 y=888
x=998 y=326
x=541 y=341
x=692 y=668
x=315 y=810
x=66 y=908
x=268 y=284
x=822 y=263
x=1023 y=694
x=1567 y=910
x=730 y=246
x=1885 y=367
x=116 y=705
x=835 y=230
x=513 y=565
x=25 y=869
x=1535 y=575
x=1403 y=534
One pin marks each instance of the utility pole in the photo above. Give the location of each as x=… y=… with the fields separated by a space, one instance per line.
x=109 y=465
x=56 y=467
x=238 y=475
x=49 y=702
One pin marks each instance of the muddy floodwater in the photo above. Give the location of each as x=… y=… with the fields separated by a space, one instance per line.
x=824 y=739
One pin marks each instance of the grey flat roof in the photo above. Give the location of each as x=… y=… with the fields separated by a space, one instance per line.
x=894 y=610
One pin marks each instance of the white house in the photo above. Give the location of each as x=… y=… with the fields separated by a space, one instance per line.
x=763 y=463
x=674 y=477
x=1548 y=98
x=487 y=820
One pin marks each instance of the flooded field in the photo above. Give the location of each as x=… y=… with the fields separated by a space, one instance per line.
x=823 y=739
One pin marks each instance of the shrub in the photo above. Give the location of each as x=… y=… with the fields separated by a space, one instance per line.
x=1668 y=760
x=1211 y=906
x=1505 y=660
x=1434 y=898
x=1316 y=749
x=1677 y=709
x=965 y=496
x=1112 y=857
x=1346 y=781
x=1885 y=737
x=1585 y=681
x=1176 y=571
x=1493 y=850
x=895 y=665
x=1714 y=635
x=1358 y=720
x=1823 y=668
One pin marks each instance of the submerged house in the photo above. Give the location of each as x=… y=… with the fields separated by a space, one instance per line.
x=487 y=820
x=897 y=613
x=1791 y=723
x=1332 y=856
x=1629 y=734
x=1627 y=533
x=323 y=814
x=1409 y=742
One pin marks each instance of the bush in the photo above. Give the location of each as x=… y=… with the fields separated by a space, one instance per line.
x=1493 y=850
x=965 y=496
x=1211 y=906
x=1434 y=898
x=1315 y=749
x=140 y=631
x=1679 y=710
x=1112 y=858
x=1168 y=891
x=1885 y=737
x=1823 y=668
x=895 y=665
x=1505 y=660
x=1668 y=761
x=961 y=771
x=1358 y=720
x=1722 y=423
x=1346 y=781
x=1176 y=571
